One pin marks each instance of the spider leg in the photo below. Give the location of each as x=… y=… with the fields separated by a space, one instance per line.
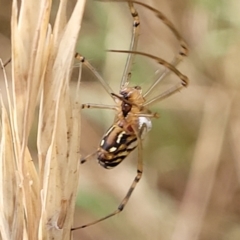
x=133 y=46
x=87 y=157
x=95 y=72
x=98 y=106
x=183 y=51
x=184 y=79
x=105 y=85
x=166 y=94
x=170 y=67
x=132 y=187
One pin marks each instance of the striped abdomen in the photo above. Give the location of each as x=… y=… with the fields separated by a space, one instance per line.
x=116 y=144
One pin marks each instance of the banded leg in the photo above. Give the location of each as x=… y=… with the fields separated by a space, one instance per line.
x=184 y=79
x=95 y=72
x=94 y=106
x=170 y=67
x=98 y=106
x=183 y=52
x=88 y=157
x=131 y=189
x=133 y=46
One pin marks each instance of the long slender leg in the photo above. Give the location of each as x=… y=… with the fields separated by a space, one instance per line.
x=91 y=105
x=164 y=95
x=183 y=46
x=131 y=189
x=133 y=46
x=170 y=67
x=183 y=52
x=94 y=71
x=184 y=79
x=98 y=106
x=88 y=157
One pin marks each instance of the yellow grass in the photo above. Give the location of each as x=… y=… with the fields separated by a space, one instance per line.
x=37 y=196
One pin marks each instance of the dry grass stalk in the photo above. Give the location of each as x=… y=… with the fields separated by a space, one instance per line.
x=39 y=203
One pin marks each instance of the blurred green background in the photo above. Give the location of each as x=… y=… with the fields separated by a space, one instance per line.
x=190 y=186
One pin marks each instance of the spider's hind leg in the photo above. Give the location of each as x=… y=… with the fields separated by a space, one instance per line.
x=88 y=157
x=133 y=185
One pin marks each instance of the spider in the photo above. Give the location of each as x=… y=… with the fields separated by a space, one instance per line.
x=133 y=117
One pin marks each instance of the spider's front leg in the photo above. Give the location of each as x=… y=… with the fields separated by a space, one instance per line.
x=98 y=106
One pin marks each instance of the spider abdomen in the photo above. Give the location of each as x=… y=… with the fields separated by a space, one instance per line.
x=115 y=146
